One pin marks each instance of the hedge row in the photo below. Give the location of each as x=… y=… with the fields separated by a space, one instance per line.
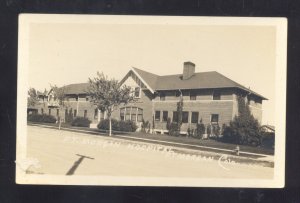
x=118 y=125
x=41 y=118
x=81 y=122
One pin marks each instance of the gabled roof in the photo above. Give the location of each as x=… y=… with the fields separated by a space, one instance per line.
x=202 y=80
x=149 y=78
x=270 y=127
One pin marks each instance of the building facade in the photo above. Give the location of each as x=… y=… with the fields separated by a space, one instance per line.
x=207 y=96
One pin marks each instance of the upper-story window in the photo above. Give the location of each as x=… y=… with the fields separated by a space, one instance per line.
x=137 y=92
x=86 y=99
x=162 y=96
x=193 y=95
x=216 y=95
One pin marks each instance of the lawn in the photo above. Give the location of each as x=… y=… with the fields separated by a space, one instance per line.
x=163 y=137
x=204 y=142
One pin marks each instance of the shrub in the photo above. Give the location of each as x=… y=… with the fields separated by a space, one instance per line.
x=244 y=129
x=168 y=123
x=124 y=126
x=81 y=122
x=216 y=130
x=208 y=130
x=200 y=129
x=41 y=118
x=145 y=126
x=173 y=129
x=190 y=132
x=127 y=126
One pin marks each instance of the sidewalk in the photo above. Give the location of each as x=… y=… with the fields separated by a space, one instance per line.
x=243 y=156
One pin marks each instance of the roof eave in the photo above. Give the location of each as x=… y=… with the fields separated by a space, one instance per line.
x=136 y=73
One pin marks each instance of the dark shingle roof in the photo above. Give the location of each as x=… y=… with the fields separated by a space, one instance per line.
x=202 y=80
x=79 y=88
x=150 y=78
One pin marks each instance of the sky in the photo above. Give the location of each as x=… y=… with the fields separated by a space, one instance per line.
x=67 y=53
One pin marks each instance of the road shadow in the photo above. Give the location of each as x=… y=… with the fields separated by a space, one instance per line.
x=77 y=163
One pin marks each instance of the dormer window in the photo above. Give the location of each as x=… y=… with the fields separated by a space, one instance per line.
x=193 y=95
x=162 y=96
x=216 y=95
x=137 y=92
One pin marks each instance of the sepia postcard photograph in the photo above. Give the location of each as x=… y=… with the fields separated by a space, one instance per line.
x=151 y=101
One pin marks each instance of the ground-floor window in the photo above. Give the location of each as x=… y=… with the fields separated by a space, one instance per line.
x=96 y=113
x=185 y=117
x=165 y=116
x=131 y=113
x=195 y=117
x=214 y=118
x=175 y=116
x=75 y=112
x=85 y=114
x=122 y=113
x=140 y=115
x=157 y=115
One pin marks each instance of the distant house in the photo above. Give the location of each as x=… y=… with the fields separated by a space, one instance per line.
x=268 y=129
x=209 y=96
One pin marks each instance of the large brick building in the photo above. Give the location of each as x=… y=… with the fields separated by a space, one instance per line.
x=209 y=96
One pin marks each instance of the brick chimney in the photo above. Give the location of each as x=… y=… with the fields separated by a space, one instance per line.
x=188 y=70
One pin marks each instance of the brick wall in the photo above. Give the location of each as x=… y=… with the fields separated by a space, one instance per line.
x=144 y=102
x=205 y=108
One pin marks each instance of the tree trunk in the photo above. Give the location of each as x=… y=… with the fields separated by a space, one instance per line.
x=109 y=126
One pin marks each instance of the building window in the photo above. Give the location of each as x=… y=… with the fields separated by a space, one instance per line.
x=102 y=115
x=140 y=115
x=57 y=112
x=185 y=117
x=49 y=111
x=214 y=118
x=165 y=116
x=193 y=95
x=85 y=114
x=86 y=99
x=96 y=114
x=133 y=116
x=122 y=111
x=157 y=115
x=195 y=117
x=177 y=93
x=162 y=96
x=175 y=116
x=76 y=98
x=216 y=95
x=137 y=91
x=127 y=116
x=75 y=112
x=42 y=111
